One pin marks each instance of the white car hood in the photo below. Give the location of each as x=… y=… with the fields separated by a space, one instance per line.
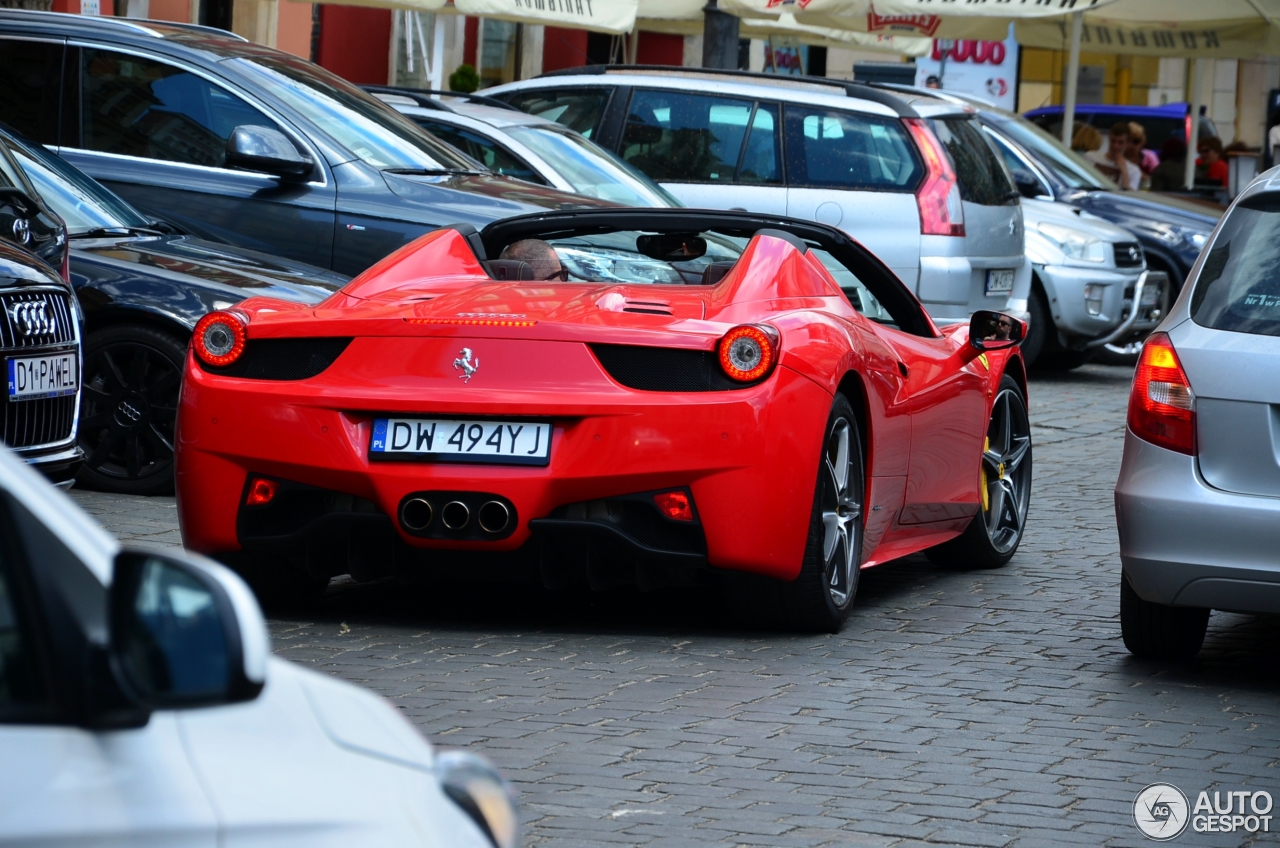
x=316 y=762
x=1048 y=211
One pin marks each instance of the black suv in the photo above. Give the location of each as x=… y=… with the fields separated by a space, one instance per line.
x=241 y=143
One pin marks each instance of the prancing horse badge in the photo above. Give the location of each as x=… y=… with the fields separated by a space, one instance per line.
x=466 y=364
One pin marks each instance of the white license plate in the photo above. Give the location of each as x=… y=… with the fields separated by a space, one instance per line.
x=999 y=281
x=33 y=377
x=454 y=440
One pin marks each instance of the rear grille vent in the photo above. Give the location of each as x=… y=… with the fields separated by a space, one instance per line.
x=664 y=369
x=44 y=421
x=284 y=359
x=35 y=319
x=648 y=307
x=1128 y=254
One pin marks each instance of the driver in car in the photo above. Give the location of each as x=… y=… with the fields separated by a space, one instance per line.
x=541 y=256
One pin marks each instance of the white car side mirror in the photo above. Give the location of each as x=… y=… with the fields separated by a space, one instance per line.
x=185 y=632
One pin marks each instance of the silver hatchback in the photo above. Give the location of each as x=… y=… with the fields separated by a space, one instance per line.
x=1198 y=499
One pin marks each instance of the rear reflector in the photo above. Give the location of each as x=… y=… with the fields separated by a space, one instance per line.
x=261 y=491
x=1162 y=407
x=674 y=505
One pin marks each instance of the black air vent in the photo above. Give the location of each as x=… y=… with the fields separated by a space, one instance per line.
x=43 y=421
x=1128 y=254
x=283 y=359
x=665 y=369
x=648 y=307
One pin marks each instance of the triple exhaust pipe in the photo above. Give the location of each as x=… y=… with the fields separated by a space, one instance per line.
x=457 y=515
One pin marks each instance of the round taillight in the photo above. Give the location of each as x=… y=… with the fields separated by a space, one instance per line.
x=747 y=353
x=219 y=338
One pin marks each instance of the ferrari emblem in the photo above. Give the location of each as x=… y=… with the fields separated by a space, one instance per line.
x=466 y=364
x=982 y=357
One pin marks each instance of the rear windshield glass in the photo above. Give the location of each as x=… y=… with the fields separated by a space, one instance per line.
x=984 y=180
x=1239 y=285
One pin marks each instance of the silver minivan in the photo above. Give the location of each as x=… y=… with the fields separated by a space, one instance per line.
x=912 y=177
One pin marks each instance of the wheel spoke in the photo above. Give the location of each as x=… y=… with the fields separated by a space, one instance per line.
x=138 y=374
x=1006 y=429
x=1011 y=500
x=162 y=387
x=830 y=534
x=113 y=373
x=158 y=440
x=133 y=456
x=102 y=452
x=996 y=508
x=1014 y=458
x=840 y=462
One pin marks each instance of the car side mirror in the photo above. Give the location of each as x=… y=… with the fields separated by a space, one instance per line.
x=266 y=149
x=995 y=330
x=185 y=632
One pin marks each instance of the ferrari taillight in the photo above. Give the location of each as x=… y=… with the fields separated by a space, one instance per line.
x=1162 y=407
x=748 y=352
x=941 y=210
x=219 y=338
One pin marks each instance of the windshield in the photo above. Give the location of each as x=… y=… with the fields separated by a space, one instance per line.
x=1069 y=167
x=590 y=169
x=373 y=132
x=82 y=203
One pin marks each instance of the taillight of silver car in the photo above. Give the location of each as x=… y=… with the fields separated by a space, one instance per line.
x=941 y=210
x=1162 y=407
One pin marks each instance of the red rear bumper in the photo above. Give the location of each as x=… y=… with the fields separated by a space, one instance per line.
x=748 y=456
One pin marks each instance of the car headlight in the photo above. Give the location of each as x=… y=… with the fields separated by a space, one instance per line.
x=474 y=785
x=1076 y=244
x=606 y=265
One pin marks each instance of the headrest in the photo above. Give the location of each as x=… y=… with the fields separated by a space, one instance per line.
x=715 y=272
x=509 y=269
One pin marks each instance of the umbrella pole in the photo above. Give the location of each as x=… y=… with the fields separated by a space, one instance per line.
x=1073 y=78
x=1193 y=137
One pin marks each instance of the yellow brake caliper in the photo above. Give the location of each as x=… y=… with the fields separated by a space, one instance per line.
x=982 y=470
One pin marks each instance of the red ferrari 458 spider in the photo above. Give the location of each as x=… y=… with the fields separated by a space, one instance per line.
x=612 y=397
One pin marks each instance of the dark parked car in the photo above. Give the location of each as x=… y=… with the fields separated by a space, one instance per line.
x=40 y=354
x=1171 y=231
x=1160 y=122
x=27 y=221
x=238 y=142
x=141 y=291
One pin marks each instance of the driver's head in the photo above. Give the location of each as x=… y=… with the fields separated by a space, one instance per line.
x=540 y=255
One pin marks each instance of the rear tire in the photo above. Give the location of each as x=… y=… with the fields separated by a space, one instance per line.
x=1063 y=360
x=1039 y=327
x=993 y=536
x=820 y=598
x=1158 y=631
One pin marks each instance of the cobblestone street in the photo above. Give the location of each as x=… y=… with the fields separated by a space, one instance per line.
x=956 y=708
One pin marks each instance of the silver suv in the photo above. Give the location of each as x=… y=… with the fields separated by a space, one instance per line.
x=912 y=177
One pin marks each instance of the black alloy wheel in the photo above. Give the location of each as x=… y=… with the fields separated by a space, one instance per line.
x=993 y=536
x=129 y=410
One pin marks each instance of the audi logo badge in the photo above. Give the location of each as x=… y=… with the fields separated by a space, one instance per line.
x=21 y=230
x=31 y=318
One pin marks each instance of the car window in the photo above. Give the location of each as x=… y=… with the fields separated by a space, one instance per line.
x=1239 y=285
x=579 y=110
x=139 y=107
x=30 y=83
x=1014 y=162
x=1067 y=165
x=983 y=178
x=373 y=131
x=588 y=168
x=677 y=137
x=20 y=679
x=833 y=149
x=761 y=163
x=859 y=295
x=484 y=150
x=82 y=203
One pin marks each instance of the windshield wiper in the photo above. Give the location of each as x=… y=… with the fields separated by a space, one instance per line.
x=108 y=232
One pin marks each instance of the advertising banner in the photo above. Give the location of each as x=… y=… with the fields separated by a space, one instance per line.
x=985 y=69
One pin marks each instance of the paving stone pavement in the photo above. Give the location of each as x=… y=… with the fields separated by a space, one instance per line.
x=984 y=708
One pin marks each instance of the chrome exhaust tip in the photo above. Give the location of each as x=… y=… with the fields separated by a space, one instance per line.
x=455 y=515
x=416 y=514
x=494 y=517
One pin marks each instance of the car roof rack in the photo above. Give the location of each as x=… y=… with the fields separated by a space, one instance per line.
x=860 y=90
x=426 y=97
